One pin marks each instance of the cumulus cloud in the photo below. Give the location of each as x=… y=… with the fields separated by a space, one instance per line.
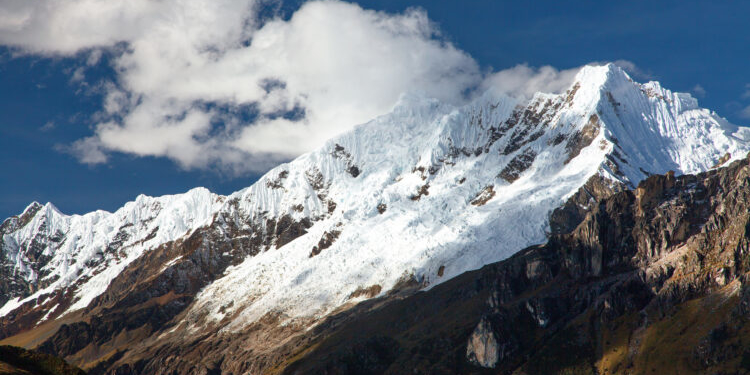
x=185 y=64
x=211 y=83
x=68 y=26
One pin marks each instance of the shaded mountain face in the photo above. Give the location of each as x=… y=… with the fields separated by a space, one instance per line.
x=199 y=282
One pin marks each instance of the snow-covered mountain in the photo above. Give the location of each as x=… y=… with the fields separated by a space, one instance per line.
x=459 y=188
x=414 y=197
x=44 y=251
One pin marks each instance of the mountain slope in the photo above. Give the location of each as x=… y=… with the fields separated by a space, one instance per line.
x=514 y=152
x=655 y=280
x=407 y=201
x=46 y=254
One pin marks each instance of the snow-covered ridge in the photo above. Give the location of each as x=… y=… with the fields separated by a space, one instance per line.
x=53 y=251
x=425 y=192
x=660 y=130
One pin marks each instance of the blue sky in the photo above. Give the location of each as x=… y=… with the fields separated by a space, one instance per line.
x=698 y=47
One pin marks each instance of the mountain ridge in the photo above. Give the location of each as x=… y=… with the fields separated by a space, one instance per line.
x=404 y=202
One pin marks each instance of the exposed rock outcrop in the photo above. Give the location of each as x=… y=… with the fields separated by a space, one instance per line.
x=483 y=348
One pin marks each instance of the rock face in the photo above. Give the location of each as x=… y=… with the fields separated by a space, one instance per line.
x=245 y=283
x=483 y=349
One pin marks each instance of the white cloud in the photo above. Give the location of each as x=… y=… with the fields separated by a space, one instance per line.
x=522 y=80
x=87 y=150
x=68 y=26
x=79 y=75
x=746 y=94
x=186 y=68
x=340 y=63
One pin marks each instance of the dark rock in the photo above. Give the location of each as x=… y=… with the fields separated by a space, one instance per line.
x=325 y=242
x=484 y=196
x=582 y=138
x=518 y=165
x=423 y=190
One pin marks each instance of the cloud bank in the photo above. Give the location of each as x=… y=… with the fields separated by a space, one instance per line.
x=211 y=83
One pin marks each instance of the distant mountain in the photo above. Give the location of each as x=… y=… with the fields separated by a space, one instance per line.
x=200 y=282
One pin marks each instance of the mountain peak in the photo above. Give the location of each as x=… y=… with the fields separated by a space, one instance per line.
x=599 y=75
x=32 y=209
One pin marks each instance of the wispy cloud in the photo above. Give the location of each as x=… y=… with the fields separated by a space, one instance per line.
x=49 y=125
x=87 y=150
x=746 y=94
x=699 y=91
x=634 y=70
x=742 y=110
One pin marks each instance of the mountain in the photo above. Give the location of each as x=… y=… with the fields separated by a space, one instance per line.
x=655 y=280
x=199 y=282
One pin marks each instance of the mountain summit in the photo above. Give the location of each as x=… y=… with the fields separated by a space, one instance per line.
x=402 y=203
